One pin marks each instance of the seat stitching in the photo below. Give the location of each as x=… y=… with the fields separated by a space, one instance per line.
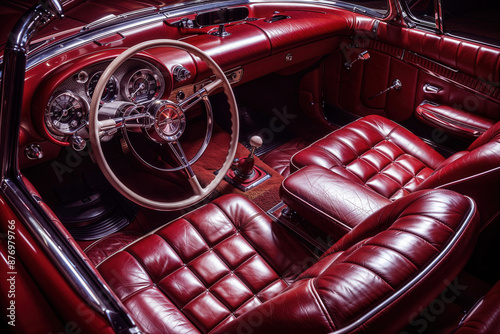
x=433 y=218
x=186 y=264
x=229 y=316
x=142 y=290
x=409 y=171
x=320 y=303
x=369 y=269
x=143 y=266
x=414 y=234
x=154 y=231
x=394 y=250
x=212 y=247
x=269 y=263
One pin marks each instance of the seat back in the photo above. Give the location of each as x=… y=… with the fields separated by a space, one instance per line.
x=379 y=274
x=475 y=173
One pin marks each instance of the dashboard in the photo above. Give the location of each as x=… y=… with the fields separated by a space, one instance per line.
x=59 y=89
x=136 y=81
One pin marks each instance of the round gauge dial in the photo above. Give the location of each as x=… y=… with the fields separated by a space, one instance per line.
x=65 y=113
x=110 y=91
x=143 y=85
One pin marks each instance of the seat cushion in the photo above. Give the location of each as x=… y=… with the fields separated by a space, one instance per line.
x=329 y=201
x=376 y=152
x=484 y=318
x=206 y=268
x=373 y=279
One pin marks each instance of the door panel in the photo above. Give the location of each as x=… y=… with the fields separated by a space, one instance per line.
x=359 y=86
x=460 y=75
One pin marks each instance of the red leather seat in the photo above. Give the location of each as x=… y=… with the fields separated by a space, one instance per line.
x=484 y=318
x=385 y=157
x=228 y=268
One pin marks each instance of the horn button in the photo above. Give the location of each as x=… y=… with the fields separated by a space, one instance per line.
x=169 y=121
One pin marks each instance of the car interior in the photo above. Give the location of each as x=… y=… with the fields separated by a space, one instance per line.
x=269 y=166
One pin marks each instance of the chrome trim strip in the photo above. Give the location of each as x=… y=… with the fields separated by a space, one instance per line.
x=80 y=276
x=417 y=278
x=103 y=29
x=50 y=245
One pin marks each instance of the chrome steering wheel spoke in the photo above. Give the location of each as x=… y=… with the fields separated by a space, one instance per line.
x=176 y=148
x=202 y=93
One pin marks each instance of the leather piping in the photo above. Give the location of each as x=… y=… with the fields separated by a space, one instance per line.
x=416 y=279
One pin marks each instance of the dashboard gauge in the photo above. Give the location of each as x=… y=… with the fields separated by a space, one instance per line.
x=143 y=86
x=110 y=91
x=65 y=113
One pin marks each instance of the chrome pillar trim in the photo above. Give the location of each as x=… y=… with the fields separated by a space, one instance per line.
x=64 y=256
x=12 y=84
x=438 y=12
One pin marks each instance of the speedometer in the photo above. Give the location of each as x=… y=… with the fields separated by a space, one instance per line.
x=143 y=86
x=110 y=91
x=65 y=113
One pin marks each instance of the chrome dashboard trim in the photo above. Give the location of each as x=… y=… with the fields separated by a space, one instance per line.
x=101 y=29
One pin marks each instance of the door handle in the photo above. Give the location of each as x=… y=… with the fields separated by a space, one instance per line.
x=430 y=89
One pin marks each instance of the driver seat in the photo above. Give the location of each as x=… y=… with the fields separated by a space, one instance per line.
x=228 y=268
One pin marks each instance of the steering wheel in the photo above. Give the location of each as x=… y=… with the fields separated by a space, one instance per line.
x=163 y=122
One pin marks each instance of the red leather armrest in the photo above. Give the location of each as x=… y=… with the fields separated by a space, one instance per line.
x=453 y=120
x=331 y=202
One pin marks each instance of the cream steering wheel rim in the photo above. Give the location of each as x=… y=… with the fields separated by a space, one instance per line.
x=94 y=127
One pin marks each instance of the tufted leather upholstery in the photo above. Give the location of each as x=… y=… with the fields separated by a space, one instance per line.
x=205 y=269
x=227 y=268
x=382 y=155
x=484 y=318
x=378 y=274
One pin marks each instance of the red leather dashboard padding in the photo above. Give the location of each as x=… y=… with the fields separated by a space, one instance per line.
x=205 y=269
x=453 y=120
x=329 y=201
x=376 y=152
x=380 y=273
x=301 y=28
x=485 y=316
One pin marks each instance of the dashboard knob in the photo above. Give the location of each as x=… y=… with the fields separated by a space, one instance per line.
x=181 y=73
x=33 y=152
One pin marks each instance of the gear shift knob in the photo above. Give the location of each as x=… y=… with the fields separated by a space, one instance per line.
x=245 y=168
x=256 y=141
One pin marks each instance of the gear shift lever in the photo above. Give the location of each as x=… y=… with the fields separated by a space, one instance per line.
x=245 y=168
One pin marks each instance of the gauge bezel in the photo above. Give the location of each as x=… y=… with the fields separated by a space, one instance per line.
x=55 y=131
x=160 y=83
x=117 y=84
